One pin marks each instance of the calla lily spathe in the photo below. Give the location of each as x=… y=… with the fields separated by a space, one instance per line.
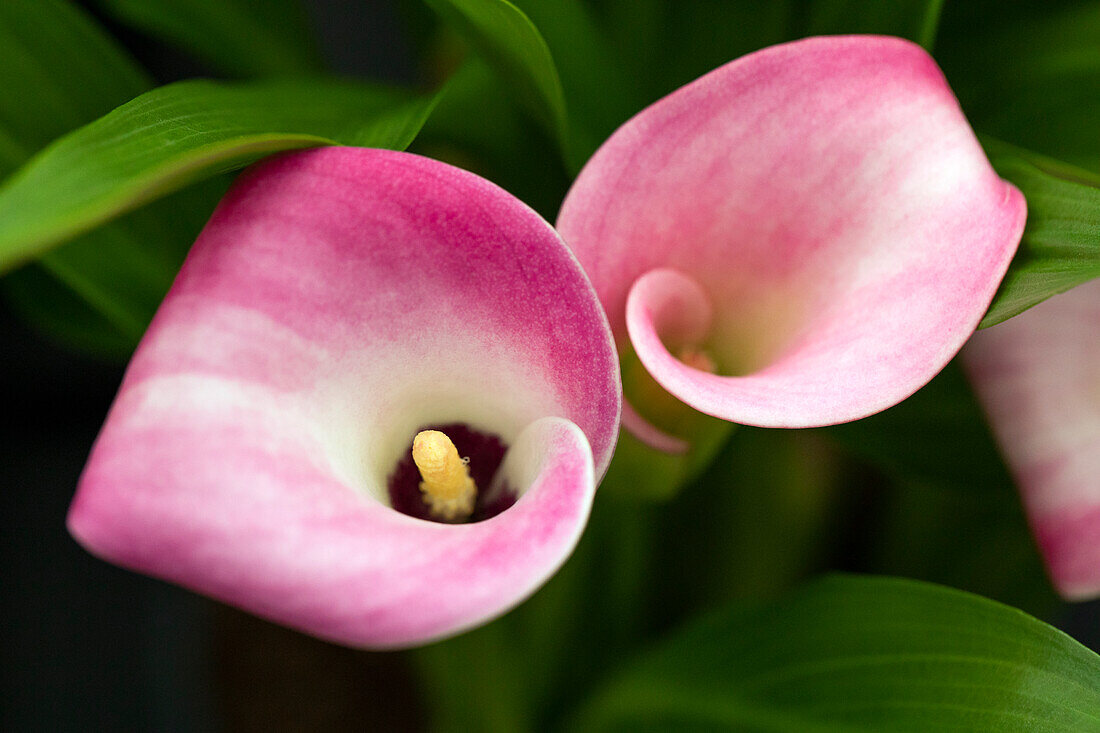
x=816 y=218
x=1038 y=377
x=338 y=301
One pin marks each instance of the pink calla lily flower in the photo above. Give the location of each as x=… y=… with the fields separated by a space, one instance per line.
x=1038 y=377
x=338 y=301
x=802 y=237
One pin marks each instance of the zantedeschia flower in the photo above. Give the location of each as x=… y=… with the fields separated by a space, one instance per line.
x=339 y=301
x=802 y=237
x=1038 y=377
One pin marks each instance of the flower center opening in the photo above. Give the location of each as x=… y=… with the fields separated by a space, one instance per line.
x=446 y=475
x=654 y=403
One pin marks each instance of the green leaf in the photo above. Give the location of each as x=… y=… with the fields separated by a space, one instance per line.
x=242 y=37
x=1028 y=73
x=664 y=45
x=530 y=667
x=599 y=93
x=858 y=654
x=916 y=20
x=58 y=70
x=1060 y=248
x=62 y=315
x=939 y=435
x=513 y=46
x=121 y=271
x=974 y=540
x=181 y=133
x=756 y=522
x=476 y=126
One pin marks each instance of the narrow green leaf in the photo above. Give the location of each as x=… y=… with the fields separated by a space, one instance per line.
x=58 y=70
x=757 y=521
x=62 y=315
x=243 y=37
x=181 y=133
x=1060 y=248
x=477 y=126
x=513 y=46
x=858 y=654
x=916 y=20
x=599 y=93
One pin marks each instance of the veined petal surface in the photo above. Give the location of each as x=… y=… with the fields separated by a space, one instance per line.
x=338 y=301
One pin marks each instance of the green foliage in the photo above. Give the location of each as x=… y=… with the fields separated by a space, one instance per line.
x=1028 y=73
x=513 y=46
x=240 y=37
x=527 y=668
x=600 y=94
x=1060 y=248
x=57 y=71
x=939 y=435
x=664 y=45
x=747 y=514
x=916 y=20
x=973 y=538
x=476 y=126
x=851 y=653
x=181 y=133
x=757 y=521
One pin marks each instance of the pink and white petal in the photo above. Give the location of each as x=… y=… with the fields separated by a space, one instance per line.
x=338 y=301
x=1038 y=377
x=381 y=279
x=260 y=523
x=830 y=199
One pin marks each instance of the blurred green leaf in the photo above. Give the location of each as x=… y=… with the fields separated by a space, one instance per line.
x=477 y=126
x=599 y=93
x=513 y=46
x=1060 y=248
x=853 y=653
x=58 y=70
x=1028 y=73
x=477 y=682
x=54 y=309
x=938 y=435
x=181 y=133
x=753 y=524
x=525 y=670
x=663 y=45
x=243 y=37
x=121 y=271
x=639 y=473
x=974 y=540
x=916 y=20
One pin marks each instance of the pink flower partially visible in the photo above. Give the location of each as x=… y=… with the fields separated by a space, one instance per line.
x=339 y=301
x=802 y=237
x=1038 y=377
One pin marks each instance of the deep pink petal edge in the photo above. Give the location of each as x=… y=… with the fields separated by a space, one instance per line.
x=339 y=300
x=1038 y=377
x=830 y=199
